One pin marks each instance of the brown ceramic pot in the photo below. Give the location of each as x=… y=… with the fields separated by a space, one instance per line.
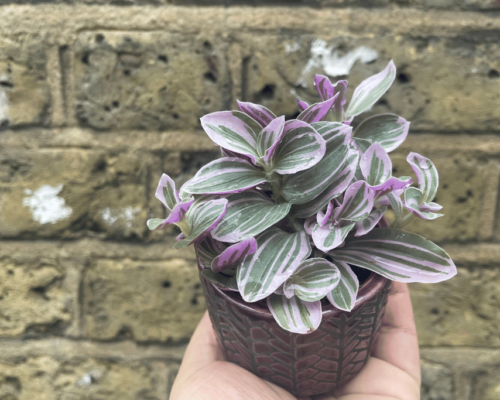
x=304 y=365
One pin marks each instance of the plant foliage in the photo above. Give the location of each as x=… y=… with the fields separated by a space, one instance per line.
x=293 y=205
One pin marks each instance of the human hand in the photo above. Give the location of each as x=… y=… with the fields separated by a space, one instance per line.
x=391 y=373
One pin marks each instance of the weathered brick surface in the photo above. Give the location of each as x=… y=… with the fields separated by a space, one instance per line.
x=463 y=311
x=437 y=382
x=443 y=83
x=46 y=378
x=96 y=102
x=34 y=296
x=474 y=373
x=148 y=81
x=146 y=301
x=62 y=192
x=24 y=92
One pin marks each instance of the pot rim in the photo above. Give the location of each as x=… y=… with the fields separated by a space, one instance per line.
x=367 y=292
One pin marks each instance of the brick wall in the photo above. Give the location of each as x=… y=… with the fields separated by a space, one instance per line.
x=98 y=98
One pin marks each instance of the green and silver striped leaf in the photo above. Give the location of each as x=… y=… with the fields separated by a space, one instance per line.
x=202 y=218
x=366 y=225
x=300 y=148
x=370 y=90
x=338 y=185
x=331 y=235
x=225 y=175
x=314 y=278
x=376 y=165
x=304 y=186
x=248 y=214
x=413 y=202
x=233 y=130
x=277 y=257
x=295 y=315
x=398 y=255
x=427 y=176
x=389 y=130
x=344 y=295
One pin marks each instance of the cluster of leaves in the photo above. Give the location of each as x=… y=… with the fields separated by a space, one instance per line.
x=293 y=204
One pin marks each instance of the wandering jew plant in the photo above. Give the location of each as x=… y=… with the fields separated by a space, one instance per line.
x=292 y=205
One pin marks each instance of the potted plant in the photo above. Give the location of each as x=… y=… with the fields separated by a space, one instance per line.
x=294 y=253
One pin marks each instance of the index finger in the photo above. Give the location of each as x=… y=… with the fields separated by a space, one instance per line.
x=397 y=341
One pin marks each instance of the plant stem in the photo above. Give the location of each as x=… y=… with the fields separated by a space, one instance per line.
x=402 y=222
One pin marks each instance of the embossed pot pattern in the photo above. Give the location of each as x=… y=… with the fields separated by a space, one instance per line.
x=304 y=365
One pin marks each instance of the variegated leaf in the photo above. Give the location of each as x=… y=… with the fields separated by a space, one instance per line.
x=329 y=130
x=277 y=257
x=304 y=186
x=201 y=219
x=314 y=278
x=338 y=184
x=361 y=144
x=331 y=235
x=427 y=175
x=389 y=130
x=391 y=185
x=413 y=202
x=324 y=87
x=326 y=91
x=376 y=165
x=233 y=154
x=225 y=175
x=302 y=105
x=175 y=216
x=398 y=255
x=270 y=137
x=370 y=90
x=394 y=199
x=295 y=315
x=248 y=214
x=357 y=203
x=323 y=217
x=234 y=131
x=317 y=112
x=366 y=225
x=300 y=148
x=167 y=193
x=234 y=254
x=344 y=295
x=259 y=113
x=207 y=249
x=309 y=224
x=221 y=280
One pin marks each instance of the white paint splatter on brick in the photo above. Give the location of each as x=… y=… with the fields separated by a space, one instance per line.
x=4 y=102
x=90 y=378
x=45 y=206
x=327 y=58
x=291 y=47
x=127 y=215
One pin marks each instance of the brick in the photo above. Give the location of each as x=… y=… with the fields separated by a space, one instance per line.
x=437 y=382
x=146 y=301
x=474 y=372
x=487 y=384
x=141 y=80
x=24 y=91
x=35 y=297
x=463 y=311
x=278 y=68
x=46 y=378
x=66 y=192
